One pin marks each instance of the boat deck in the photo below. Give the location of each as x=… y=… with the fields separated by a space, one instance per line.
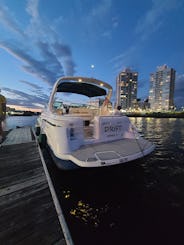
x=27 y=211
x=113 y=150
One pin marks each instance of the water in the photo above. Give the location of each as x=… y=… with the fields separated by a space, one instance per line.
x=140 y=202
x=19 y=121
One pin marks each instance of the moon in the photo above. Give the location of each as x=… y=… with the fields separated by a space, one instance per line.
x=92 y=66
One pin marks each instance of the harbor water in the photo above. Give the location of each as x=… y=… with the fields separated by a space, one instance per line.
x=19 y=121
x=140 y=202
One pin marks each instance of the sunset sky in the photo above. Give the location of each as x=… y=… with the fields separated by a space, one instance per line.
x=41 y=40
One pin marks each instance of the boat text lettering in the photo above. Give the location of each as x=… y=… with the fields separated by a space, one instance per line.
x=112 y=128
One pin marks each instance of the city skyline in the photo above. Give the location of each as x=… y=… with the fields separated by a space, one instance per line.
x=161 y=94
x=126 y=89
x=41 y=41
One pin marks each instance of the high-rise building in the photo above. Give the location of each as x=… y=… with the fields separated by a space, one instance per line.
x=161 y=93
x=126 y=89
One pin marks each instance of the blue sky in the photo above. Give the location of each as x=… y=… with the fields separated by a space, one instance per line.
x=41 y=40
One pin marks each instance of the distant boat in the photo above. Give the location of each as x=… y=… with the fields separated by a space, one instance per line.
x=88 y=136
x=21 y=113
x=16 y=113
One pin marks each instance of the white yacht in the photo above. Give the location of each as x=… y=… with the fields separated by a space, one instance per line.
x=89 y=135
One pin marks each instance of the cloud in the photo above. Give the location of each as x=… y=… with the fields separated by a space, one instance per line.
x=64 y=52
x=8 y=20
x=44 y=55
x=115 y=22
x=35 y=86
x=95 y=19
x=124 y=60
x=154 y=17
x=32 y=8
x=97 y=22
x=107 y=34
x=16 y=97
x=100 y=9
x=44 y=69
x=36 y=89
x=150 y=22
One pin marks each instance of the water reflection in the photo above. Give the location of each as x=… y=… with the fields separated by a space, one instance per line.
x=130 y=203
x=162 y=131
x=19 y=121
x=88 y=214
x=84 y=211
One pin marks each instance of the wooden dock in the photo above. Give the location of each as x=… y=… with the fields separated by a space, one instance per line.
x=27 y=212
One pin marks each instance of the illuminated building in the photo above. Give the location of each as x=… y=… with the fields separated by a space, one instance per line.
x=161 y=93
x=126 y=89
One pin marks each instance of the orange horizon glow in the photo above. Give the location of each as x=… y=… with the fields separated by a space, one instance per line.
x=22 y=108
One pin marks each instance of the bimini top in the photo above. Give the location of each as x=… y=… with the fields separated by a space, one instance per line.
x=87 y=89
x=90 y=87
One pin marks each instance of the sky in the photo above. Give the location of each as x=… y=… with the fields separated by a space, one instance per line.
x=42 y=40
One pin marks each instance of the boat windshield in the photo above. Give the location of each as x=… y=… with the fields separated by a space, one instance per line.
x=57 y=104
x=62 y=100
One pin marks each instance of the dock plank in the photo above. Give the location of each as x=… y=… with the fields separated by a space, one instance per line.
x=18 y=136
x=27 y=212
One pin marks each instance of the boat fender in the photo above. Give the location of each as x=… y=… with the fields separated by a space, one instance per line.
x=42 y=139
x=37 y=131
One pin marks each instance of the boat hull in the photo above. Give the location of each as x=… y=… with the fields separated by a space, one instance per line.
x=107 y=154
x=114 y=141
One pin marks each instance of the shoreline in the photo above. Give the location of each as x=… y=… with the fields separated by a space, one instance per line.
x=156 y=114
